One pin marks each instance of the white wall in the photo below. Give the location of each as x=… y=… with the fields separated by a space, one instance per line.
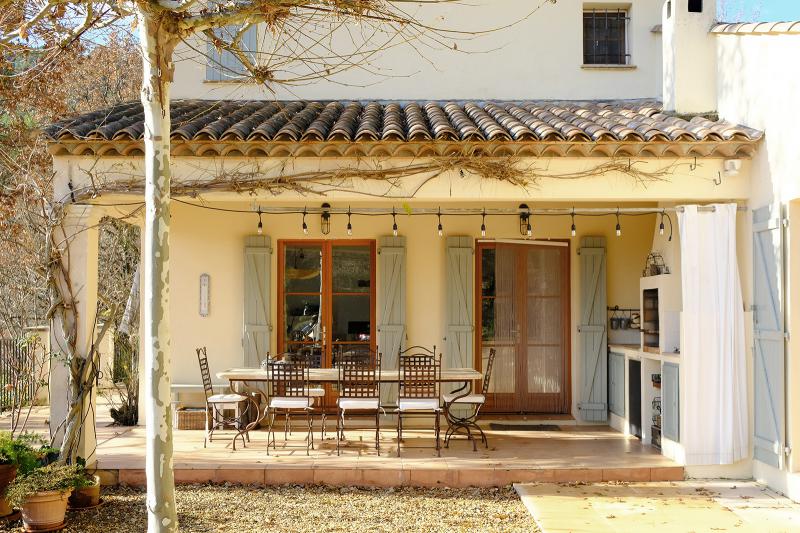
x=538 y=58
x=758 y=85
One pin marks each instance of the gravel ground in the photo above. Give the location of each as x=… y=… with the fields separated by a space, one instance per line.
x=313 y=509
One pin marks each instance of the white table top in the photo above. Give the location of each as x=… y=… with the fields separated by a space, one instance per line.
x=331 y=375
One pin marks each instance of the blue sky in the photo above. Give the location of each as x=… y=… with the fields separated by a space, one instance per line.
x=761 y=10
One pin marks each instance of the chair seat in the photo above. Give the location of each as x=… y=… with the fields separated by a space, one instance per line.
x=226 y=398
x=418 y=404
x=470 y=398
x=290 y=403
x=372 y=404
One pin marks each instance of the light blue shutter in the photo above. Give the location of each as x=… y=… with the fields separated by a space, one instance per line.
x=257 y=316
x=670 y=401
x=458 y=310
x=593 y=399
x=222 y=65
x=769 y=336
x=392 y=305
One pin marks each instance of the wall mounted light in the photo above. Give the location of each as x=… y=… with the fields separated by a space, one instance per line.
x=205 y=286
x=525 y=228
x=325 y=219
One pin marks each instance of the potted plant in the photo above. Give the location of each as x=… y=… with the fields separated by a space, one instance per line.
x=42 y=494
x=87 y=496
x=17 y=455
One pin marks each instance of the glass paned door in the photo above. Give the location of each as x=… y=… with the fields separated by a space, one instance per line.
x=524 y=308
x=327 y=294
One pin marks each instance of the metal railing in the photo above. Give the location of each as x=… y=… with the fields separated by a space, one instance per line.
x=17 y=370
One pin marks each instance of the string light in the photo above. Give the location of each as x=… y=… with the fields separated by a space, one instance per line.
x=573 y=230
x=260 y=228
x=661 y=225
x=439 y=227
x=349 y=225
x=305 y=226
x=529 y=228
x=394 y=223
x=619 y=227
x=483 y=224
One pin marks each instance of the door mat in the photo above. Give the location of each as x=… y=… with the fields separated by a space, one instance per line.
x=524 y=427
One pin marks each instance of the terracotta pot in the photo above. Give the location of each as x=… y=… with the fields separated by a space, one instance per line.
x=44 y=511
x=86 y=496
x=7 y=475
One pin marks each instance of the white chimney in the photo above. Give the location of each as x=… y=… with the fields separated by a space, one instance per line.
x=690 y=56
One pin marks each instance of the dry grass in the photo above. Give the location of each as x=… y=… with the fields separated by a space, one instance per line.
x=297 y=509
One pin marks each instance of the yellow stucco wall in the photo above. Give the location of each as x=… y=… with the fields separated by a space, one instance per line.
x=204 y=241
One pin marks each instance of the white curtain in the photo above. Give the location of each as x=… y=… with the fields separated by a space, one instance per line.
x=713 y=364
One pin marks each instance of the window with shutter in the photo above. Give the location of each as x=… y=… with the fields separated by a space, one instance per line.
x=223 y=65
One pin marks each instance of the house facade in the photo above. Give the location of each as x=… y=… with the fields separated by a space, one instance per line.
x=524 y=192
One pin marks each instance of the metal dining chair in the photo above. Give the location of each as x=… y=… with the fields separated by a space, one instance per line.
x=420 y=371
x=290 y=397
x=473 y=402
x=359 y=391
x=313 y=357
x=216 y=405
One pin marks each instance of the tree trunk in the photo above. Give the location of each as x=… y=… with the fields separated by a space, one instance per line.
x=157 y=46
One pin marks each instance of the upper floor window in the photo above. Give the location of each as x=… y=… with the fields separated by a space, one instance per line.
x=223 y=65
x=605 y=37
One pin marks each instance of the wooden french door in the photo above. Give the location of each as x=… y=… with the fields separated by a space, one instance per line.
x=326 y=295
x=523 y=310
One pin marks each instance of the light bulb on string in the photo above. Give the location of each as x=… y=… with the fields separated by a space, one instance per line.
x=260 y=227
x=661 y=224
x=305 y=226
x=573 y=230
x=394 y=223
x=483 y=224
x=349 y=225
x=439 y=228
x=619 y=227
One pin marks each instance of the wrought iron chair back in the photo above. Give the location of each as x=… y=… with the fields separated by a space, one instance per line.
x=420 y=372
x=289 y=378
x=487 y=372
x=358 y=375
x=205 y=373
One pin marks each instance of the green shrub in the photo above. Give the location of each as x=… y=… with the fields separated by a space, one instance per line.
x=53 y=477
x=25 y=450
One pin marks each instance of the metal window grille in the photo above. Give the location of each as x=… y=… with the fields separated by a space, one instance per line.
x=605 y=37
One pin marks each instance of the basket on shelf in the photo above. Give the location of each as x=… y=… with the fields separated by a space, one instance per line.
x=191 y=418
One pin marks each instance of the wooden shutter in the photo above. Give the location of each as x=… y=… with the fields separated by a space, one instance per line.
x=670 y=401
x=257 y=316
x=459 y=331
x=592 y=342
x=222 y=65
x=392 y=306
x=769 y=336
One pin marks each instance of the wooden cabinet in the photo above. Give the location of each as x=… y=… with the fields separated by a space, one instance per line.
x=670 y=406
x=616 y=383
